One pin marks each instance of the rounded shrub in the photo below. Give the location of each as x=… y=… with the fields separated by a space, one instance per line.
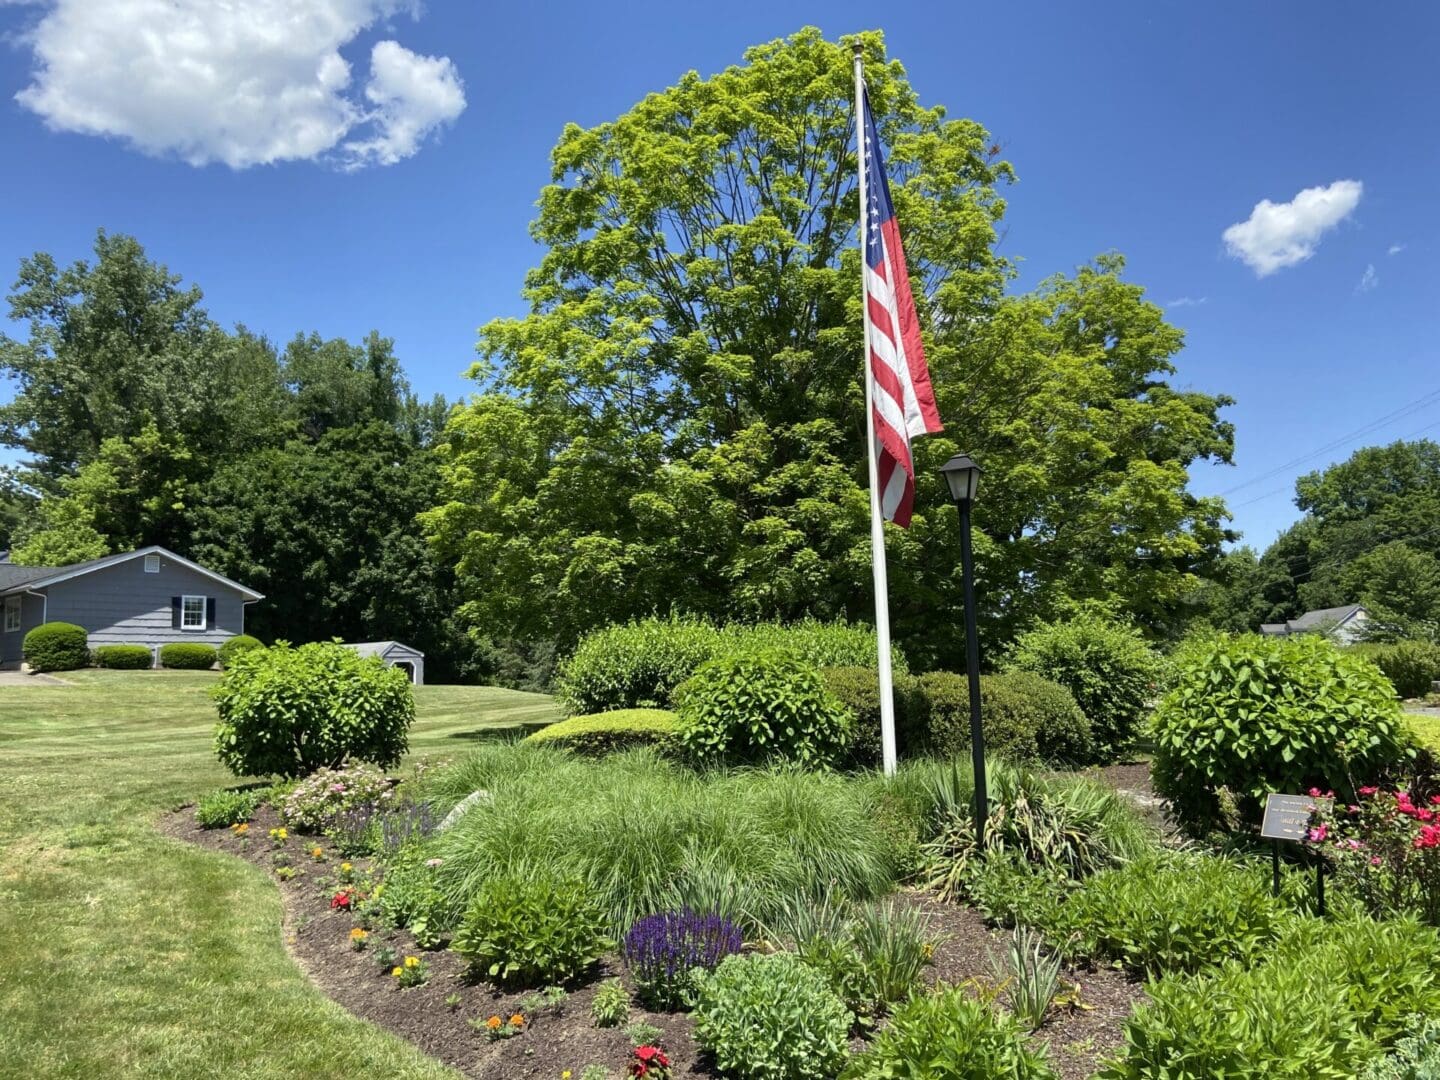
x=532 y=932
x=291 y=711
x=1106 y=665
x=771 y=1017
x=1024 y=717
x=188 y=656
x=757 y=705
x=236 y=645
x=1412 y=667
x=605 y=733
x=124 y=657
x=950 y=1035
x=858 y=690
x=1251 y=715
x=56 y=646
x=638 y=665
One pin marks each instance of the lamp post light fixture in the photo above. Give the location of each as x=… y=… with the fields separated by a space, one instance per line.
x=963 y=476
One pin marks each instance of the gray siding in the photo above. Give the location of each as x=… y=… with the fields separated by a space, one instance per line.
x=32 y=614
x=122 y=604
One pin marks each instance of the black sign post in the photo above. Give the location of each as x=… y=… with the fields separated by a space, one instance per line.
x=1287 y=817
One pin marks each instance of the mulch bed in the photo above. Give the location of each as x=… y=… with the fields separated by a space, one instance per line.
x=318 y=938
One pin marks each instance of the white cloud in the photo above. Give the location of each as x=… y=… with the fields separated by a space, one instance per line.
x=1278 y=235
x=1395 y=249
x=1188 y=301
x=244 y=82
x=1368 y=280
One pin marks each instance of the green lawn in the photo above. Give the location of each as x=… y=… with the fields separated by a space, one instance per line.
x=123 y=953
x=1427 y=728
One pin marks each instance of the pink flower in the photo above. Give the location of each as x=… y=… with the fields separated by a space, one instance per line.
x=1368 y=790
x=1375 y=860
x=1318 y=833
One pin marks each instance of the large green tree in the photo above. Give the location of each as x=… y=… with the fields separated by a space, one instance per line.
x=677 y=423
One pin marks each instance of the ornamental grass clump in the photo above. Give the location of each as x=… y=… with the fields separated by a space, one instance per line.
x=665 y=951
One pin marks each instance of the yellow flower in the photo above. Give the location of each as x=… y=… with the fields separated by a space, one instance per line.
x=358 y=934
x=412 y=961
x=565 y=1075
x=517 y=1020
x=345 y=868
x=281 y=834
x=493 y=1023
x=397 y=972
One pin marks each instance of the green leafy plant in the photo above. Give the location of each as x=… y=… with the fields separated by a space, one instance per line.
x=1013 y=891
x=610 y=1007
x=642 y=1033
x=1030 y=976
x=605 y=733
x=188 y=656
x=639 y=664
x=56 y=646
x=1177 y=913
x=594 y=1072
x=771 y=1017
x=949 y=1035
x=291 y=711
x=124 y=657
x=532 y=932
x=234 y=646
x=1107 y=666
x=552 y=998
x=760 y=705
x=1250 y=715
x=895 y=944
x=219 y=809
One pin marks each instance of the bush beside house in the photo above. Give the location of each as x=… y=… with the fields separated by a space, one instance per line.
x=124 y=657
x=56 y=646
x=188 y=656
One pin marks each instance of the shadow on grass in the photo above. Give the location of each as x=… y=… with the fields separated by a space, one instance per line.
x=499 y=732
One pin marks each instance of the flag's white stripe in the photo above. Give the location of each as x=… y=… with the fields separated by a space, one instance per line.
x=894 y=491
x=894 y=352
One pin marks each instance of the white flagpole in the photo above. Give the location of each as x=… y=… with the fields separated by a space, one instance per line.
x=877 y=524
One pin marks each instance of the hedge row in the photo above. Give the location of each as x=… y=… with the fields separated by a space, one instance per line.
x=62 y=646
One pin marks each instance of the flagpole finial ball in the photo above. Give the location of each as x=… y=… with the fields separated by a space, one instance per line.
x=859 y=48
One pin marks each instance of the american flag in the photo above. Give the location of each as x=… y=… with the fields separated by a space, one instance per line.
x=902 y=401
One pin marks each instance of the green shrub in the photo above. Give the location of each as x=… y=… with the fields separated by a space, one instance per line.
x=223 y=808
x=604 y=733
x=56 y=646
x=412 y=896
x=858 y=690
x=291 y=711
x=950 y=1035
x=1328 y=998
x=1250 y=715
x=532 y=932
x=124 y=657
x=188 y=656
x=771 y=1017
x=1411 y=666
x=648 y=834
x=1173 y=914
x=639 y=664
x=236 y=645
x=611 y=1005
x=1014 y=892
x=1025 y=718
x=1416 y=1057
x=759 y=705
x=1107 y=666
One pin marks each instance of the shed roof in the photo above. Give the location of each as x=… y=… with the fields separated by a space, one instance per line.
x=383 y=648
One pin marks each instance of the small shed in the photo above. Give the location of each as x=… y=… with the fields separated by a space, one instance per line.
x=395 y=654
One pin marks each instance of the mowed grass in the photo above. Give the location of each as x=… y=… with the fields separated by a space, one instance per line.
x=126 y=954
x=1426 y=728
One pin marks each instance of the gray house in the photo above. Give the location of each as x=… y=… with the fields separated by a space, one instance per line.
x=395 y=654
x=1345 y=624
x=148 y=597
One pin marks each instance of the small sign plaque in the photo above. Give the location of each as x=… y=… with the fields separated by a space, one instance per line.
x=1287 y=817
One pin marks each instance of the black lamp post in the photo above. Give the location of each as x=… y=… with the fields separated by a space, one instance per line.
x=963 y=476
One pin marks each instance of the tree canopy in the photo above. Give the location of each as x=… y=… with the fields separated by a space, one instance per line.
x=677 y=423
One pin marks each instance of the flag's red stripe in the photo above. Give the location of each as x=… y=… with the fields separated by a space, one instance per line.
x=910 y=327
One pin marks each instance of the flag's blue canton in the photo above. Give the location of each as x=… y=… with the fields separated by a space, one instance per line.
x=877 y=192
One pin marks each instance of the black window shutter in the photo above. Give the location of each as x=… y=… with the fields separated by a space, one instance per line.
x=175 y=613
x=210 y=612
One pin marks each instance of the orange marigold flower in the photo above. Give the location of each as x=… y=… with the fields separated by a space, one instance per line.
x=493 y=1023
x=517 y=1020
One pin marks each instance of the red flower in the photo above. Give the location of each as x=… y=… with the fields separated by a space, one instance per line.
x=341 y=900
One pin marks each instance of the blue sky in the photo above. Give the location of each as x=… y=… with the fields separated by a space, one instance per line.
x=1147 y=128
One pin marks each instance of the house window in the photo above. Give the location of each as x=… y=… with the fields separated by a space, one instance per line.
x=152 y=564
x=12 y=614
x=192 y=613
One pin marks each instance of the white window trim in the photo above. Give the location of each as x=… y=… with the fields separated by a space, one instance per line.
x=204 y=613
x=152 y=564
x=13 y=604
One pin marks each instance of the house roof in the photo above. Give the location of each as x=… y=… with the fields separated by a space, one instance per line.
x=18 y=578
x=1333 y=616
x=382 y=648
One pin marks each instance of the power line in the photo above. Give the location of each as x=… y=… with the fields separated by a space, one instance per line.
x=1359 y=433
